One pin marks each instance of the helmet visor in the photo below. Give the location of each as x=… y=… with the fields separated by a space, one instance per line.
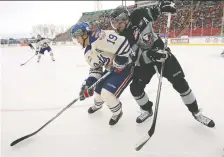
x=77 y=37
x=115 y=21
x=77 y=33
x=115 y=24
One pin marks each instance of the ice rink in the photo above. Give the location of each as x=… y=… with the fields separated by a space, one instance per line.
x=34 y=93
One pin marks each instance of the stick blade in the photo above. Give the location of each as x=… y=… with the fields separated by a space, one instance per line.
x=142 y=142
x=21 y=139
x=152 y=129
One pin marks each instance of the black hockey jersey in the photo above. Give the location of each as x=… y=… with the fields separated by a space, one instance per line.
x=140 y=33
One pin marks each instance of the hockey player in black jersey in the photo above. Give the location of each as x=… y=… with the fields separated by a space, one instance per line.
x=138 y=28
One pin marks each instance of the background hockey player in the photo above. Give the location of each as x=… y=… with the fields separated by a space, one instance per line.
x=222 y=54
x=138 y=28
x=42 y=45
x=107 y=50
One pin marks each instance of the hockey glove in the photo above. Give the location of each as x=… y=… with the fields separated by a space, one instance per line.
x=158 y=55
x=167 y=6
x=37 y=52
x=85 y=92
x=119 y=63
x=31 y=46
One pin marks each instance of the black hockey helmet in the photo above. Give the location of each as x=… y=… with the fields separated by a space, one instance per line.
x=120 y=13
x=38 y=36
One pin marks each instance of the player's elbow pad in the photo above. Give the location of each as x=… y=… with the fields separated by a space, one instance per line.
x=96 y=72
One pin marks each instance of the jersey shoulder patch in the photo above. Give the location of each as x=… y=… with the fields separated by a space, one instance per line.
x=147 y=38
x=101 y=35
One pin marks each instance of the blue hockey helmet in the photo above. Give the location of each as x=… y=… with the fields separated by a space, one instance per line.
x=80 y=29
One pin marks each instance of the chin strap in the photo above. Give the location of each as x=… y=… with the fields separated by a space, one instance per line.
x=84 y=40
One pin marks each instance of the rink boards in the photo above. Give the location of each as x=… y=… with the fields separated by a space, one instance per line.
x=196 y=41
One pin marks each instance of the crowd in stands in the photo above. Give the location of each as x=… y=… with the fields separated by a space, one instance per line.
x=204 y=14
x=209 y=14
x=199 y=17
x=190 y=14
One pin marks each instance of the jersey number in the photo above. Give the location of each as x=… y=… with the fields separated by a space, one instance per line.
x=112 y=38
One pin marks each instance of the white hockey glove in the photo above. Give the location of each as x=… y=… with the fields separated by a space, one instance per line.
x=158 y=55
x=119 y=63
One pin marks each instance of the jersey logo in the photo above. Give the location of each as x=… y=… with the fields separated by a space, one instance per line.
x=101 y=35
x=102 y=61
x=147 y=38
x=98 y=50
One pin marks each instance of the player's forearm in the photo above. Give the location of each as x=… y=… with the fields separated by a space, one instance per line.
x=95 y=73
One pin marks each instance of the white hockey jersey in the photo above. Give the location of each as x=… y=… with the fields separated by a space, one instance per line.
x=42 y=43
x=103 y=50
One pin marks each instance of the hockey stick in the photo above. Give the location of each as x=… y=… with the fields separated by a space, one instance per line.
x=152 y=129
x=65 y=108
x=28 y=60
x=31 y=46
x=157 y=72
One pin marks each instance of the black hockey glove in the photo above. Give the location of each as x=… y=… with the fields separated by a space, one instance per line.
x=36 y=52
x=119 y=63
x=158 y=55
x=167 y=6
x=85 y=93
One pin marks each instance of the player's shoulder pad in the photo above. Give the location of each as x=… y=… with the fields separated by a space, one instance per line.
x=101 y=34
x=104 y=33
x=108 y=32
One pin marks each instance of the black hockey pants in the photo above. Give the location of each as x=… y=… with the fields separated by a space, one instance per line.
x=172 y=71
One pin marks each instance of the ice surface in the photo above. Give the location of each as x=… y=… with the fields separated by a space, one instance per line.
x=32 y=94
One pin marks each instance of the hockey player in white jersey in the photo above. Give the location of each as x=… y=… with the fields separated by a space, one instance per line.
x=42 y=45
x=105 y=50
